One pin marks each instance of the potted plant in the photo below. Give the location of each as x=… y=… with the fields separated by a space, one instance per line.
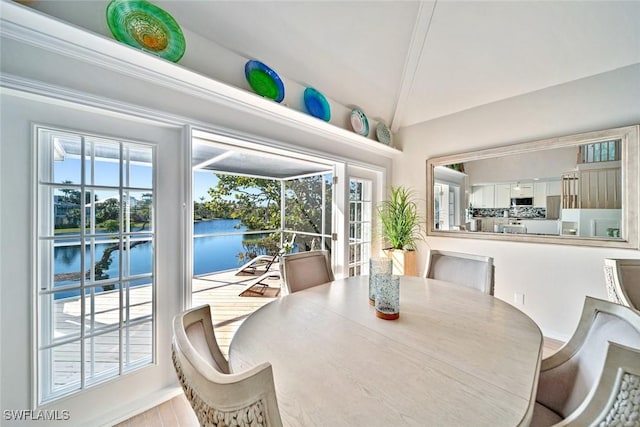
x=401 y=228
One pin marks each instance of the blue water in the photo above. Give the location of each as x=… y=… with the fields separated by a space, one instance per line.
x=219 y=253
x=210 y=254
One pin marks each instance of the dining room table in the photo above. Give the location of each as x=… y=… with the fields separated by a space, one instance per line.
x=454 y=357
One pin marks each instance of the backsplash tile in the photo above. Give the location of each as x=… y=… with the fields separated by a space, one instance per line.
x=520 y=212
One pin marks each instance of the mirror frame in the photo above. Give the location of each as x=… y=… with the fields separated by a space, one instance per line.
x=630 y=188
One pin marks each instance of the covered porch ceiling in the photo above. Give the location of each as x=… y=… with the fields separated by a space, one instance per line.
x=219 y=157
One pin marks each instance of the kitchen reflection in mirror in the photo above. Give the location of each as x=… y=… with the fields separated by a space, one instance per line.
x=567 y=188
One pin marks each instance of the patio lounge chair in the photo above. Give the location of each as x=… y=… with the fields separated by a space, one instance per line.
x=257 y=265
x=264 y=267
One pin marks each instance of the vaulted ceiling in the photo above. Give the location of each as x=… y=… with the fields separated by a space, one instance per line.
x=407 y=62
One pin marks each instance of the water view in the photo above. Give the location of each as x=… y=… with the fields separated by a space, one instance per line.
x=216 y=253
x=210 y=254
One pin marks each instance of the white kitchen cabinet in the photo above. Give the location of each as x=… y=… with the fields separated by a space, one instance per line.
x=503 y=196
x=522 y=190
x=540 y=194
x=554 y=188
x=482 y=196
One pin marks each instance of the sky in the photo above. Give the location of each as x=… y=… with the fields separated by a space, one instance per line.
x=68 y=170
x=202 y=181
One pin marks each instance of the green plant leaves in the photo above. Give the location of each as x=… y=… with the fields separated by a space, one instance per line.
x=401 y=224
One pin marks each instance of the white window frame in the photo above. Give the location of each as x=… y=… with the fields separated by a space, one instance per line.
x=44 y=233
x=363 y=221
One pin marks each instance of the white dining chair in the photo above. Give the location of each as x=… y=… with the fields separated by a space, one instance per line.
x=475 y=271
x=218 y=396
x=622 y=278
x=594 y=378
x=306 y=269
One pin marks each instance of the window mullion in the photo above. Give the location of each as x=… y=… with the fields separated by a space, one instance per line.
x=123 y=298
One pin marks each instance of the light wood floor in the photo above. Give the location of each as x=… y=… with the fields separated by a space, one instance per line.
x=177 y=411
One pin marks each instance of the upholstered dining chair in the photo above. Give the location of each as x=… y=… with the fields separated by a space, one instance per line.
x=304 y=270
x=218 y=396
x=622 y=277
x=475 y=271
x=594 y=379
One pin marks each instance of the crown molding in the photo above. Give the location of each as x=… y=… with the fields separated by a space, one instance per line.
x=57 y=95
x=30 y=27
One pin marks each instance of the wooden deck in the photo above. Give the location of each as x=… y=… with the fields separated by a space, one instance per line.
x=228 y=309
x=221 y=291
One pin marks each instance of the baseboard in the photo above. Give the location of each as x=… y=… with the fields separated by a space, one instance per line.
x=141 y=405
x=555 y=335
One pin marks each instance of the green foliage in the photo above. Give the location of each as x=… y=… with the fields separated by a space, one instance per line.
x=141 y=212
x=111 y=225
x=256 y=203
x=400 y=220
x=70 y=203
x=254 y=246
x=108 y=209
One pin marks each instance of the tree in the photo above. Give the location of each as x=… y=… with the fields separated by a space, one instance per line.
x=107 y=209
x=71 y=203
x=256 y=203
x=141 y=212
x=111 y=225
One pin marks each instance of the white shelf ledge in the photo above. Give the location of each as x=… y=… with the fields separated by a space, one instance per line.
x=31 y=27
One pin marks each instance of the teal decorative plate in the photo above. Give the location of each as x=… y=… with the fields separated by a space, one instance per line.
x=316 y=104
x=141 y=24
x=264 y=81
x=359 y=122
x=383 y=133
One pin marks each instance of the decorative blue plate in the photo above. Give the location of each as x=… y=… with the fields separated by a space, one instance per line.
x=316 y=104
x=359 y=122
x=264 y=81
x=383 y=133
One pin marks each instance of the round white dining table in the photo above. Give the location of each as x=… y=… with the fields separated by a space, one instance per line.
x=455 y=357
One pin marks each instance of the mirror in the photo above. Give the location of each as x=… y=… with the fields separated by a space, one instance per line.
x=577 y=190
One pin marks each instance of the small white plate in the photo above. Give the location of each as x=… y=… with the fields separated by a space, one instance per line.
x=359 y=122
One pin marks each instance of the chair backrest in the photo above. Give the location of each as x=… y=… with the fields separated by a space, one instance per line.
x=475 y=271
x=567 y=376
x=306 y=269
x=611 y=401
x=216 y=394
x=622 y=277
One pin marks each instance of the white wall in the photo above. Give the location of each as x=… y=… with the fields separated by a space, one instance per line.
x=101 y=404
x=554 y=278
x=519 y=167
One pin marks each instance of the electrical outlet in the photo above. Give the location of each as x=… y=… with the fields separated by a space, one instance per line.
x=518 y=298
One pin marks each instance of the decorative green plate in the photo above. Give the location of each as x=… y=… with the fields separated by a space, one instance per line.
x=383 y=133
x=141 y=24
x=263 y=80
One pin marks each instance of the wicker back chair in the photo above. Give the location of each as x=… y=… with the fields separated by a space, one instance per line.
x=219 y=397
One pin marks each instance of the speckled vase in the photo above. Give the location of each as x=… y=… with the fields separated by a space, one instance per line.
x=378 y=267
x=388 y=297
